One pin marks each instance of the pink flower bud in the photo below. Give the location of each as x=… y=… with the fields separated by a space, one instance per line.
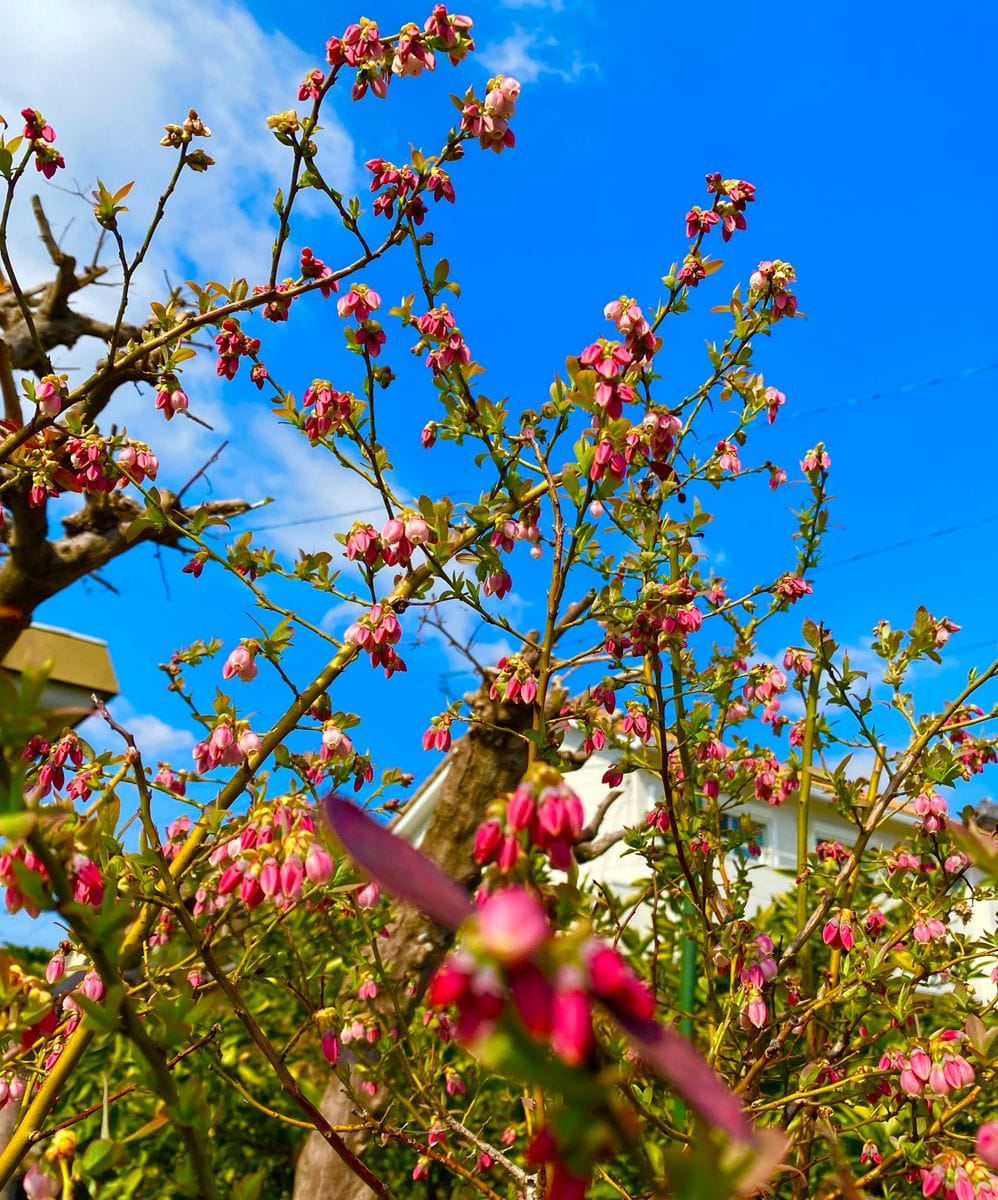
x=520 y=808
x=318 y=864
x=292 y=876
x=240 y=665
x=987 y=1144
x=270 y=878
x=920 y=1063
x=330 y=1045
x=92 y=987
x=369 y=895
x=248 y=742
x=932 y=1182
x=250 y=891
x=512 y=925
x=533 y=997
x=487 y=839
x=417 y=531
x=571 y=1025
x=909 y=1083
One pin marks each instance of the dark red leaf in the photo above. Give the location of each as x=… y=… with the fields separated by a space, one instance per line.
x=679 y=1063
x=396 y=866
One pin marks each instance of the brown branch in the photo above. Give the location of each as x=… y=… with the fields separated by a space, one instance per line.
x=37 y=569
x=11 y=402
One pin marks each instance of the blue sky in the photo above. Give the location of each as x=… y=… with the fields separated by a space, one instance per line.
x=867 y=131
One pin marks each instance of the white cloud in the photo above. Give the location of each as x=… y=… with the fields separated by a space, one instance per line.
x=517 y=55
x=314 y=498
x=155 y=738
x=115 y=72
x=485 y=643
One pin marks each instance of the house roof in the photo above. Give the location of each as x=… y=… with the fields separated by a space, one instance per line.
x=73 y=659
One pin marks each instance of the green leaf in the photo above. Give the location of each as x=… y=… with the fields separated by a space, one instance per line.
x=101 y=1156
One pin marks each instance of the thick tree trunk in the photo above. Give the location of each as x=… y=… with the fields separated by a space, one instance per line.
x=490 y=760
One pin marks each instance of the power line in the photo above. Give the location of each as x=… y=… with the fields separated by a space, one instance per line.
x=334 y=516
x=905 y=388
x=915 y=541
x=792 y=415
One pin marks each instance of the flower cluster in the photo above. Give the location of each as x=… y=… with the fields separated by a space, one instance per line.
x=232 y=345
x=393 y=546
x=19 y=859
x=514 y=680
x=437 y=735
x=171 y=398
x=270 y=858
x=610 y=361
x=378 y=632
x=50 y=759
x=955 y=1176
x=362 y=46
x=278 y=306
x=445 y=343
x=228 y=745
x=771 y=782
x=973 y=753
x=402 y=186
x=50 y=394
x=314 y=268
x=542 y=812
x=765 y=684
x=731 y=196
x=526 y=529
x=664 y=616
x=933 y=1070
x=510 y=960
x=488 y=119
x=770 y=283
x=48 y=160
x=330 y=409
x=837 y=933
x=791 y=588
x=931 y=807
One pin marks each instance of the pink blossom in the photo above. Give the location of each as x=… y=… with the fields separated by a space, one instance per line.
x=359 y=302
x=369 y=895
x=49 y=396
x=699 y=221
x=329 y=1043
x=240 y=663
x=774 y=402
x=815 y=460
x=512 y=925
x=487 y=839
x=38 y=1185
x=292 y=876
x=986 y=1144
x=318 y=864
x=571 y=1020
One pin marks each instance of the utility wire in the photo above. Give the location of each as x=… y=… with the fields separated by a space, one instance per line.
x=333 y=516
x=913 y=541
x=904 y=389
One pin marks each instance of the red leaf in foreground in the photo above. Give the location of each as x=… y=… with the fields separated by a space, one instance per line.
x=679 y=1063
x=398 y=867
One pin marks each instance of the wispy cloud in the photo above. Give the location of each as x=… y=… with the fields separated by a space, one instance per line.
x=314 y=497
x=527 y=56
x=115 y=72
x=155 y=738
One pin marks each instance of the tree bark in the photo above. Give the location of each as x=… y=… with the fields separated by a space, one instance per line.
x=35 y=569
